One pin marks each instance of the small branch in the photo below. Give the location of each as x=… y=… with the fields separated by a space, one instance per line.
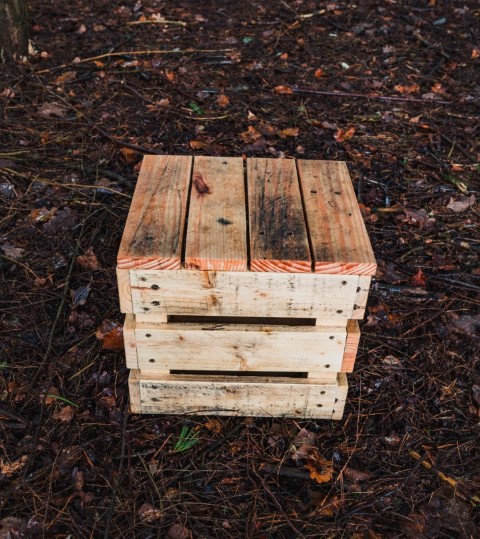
x=172 y=23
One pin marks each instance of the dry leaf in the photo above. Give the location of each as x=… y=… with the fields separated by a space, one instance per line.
x=329 y=506
x=170 y=75
x=65 y=415
x=223 y=100
x=289 y=132
x=321 y=470
x=68 y=76
x=251 y=135
x=418 y=279
x=9 y=468
x=461 y=203
x=417 y=217
x=318 y=73
x=214 y=425
x=129 y=155
x=177 y=531
x=88 y=260
x=475 y=54
x=165 y=102
x=148 y=513
x=49 y=110
x=342 y=135
x=111 y=335
x=198 y=145
x=12 y=252
x=407 y=89
x=283 y=90
x=465 y=323
x=356 y=475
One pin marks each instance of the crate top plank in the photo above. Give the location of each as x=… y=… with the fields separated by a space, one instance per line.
x=274 y=215
x=217 y=226
x=152 y=238
x=278 y=235
x=339 y=239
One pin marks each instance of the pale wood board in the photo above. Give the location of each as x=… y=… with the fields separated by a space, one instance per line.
x=124 y=291
x=338 y=235
x=217 y=227
x=134 y=391
x=227 y=293
x=351 y=346
x=278 y=235
x=229 y=395
x=341 y=397
x=155 y=224
x=239 y=347
x=129 y=342
x=363 y=290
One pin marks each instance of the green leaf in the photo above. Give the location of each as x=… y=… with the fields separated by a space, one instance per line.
x=195 y=108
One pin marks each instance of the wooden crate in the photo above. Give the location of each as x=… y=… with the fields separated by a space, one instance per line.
x=242 y=286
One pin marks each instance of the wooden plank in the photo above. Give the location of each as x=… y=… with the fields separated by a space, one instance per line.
x=134 y=390
x=239 y=347
x=341 y=397
x=363 y=290
x=129 y=341
x=124 y=291
x=351 y=346
x=227 y=293
x=337 y=232
x=235 y=396
x=217 y=227
x=278 y=235
x=154 y=230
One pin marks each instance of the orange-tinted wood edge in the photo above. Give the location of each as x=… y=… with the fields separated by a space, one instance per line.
x=351 y=346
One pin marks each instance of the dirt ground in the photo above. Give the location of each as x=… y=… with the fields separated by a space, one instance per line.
x=390 y=87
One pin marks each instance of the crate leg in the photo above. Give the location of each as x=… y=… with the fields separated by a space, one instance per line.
x=134 y=390
x=129 y=342
x=124 y=290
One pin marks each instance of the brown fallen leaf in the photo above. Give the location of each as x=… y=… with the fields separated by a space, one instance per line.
x=465 y=323
x=387 y=273
x=88 y=260
x=111 y=335
x=321 y=470
x=223 y=100
x=178 y=531
x=289 y=132
x=419 y=218
x=65 y=415
x=356 y=476
x=461 y=203
x=404 y=89
x=250 y=135
x=318 y=73
x=66 y=77
x=148 y=513
x=9 y=468
x=49 y=110
x=329 y=506
x=199 y=145
x=129 y=155
x=11 y=251
x=342 y=135
x=419 y=279
x=283 y=90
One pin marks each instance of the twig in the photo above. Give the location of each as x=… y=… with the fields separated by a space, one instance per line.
x=459 y=148
x=172 y=23
x=131 y=53
x=372 y=96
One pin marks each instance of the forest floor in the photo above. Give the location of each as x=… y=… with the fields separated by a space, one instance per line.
x=388 y=87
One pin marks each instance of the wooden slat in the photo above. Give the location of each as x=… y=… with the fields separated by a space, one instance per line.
x=217 y=227
x=239 y=347
x=351 y=346
x=153 y=234
x=129 y=341
x=134 y=390
x=227 y=293
x=231 y=395
x=341 y=397
x=124 y=291
x=278 y=235
x=339 y=239
x=363 y=290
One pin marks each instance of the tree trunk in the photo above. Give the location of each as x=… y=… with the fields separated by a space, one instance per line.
x=13 y=29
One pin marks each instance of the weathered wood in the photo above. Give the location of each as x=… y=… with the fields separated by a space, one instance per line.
x=341 y=397
x=155 y=225
x=361 y=299
x=129 y=341
x=231 y=395
x=239 y=347
x=134 y=391
x=13 y=29
x=337 y=232
x=351 y=346
x=224 y=293
x=124 y=291
x=217 y=226
x=278 y=235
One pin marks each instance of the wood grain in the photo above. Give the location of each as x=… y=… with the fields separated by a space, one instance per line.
x=239 y=347
x=154 y=230
x=361 y=299
x=217 y=227
x=124 y=291
x=337 y=232
x=134 y=390
x=234 y=396
x=351 y=346
x=341 y=397
x=278 y=235
x=129 y=341
x=226 y=293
